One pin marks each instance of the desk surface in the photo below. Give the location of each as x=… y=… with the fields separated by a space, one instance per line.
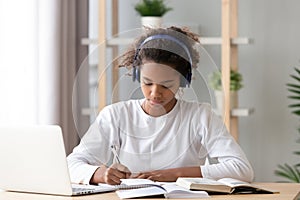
x=288 y=191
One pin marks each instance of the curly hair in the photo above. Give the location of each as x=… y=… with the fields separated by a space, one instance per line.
x=163 y=50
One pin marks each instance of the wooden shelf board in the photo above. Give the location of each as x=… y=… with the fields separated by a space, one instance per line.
x=236 y=112
x=239 y=112
x=203 y=41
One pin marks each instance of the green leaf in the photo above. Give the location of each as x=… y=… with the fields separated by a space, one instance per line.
x=297 y=172
x=297 y=152
x=297 y=70
x=288 y=172
x=293 y=85
x=284 y=174
x=283 y=168
x=293 y=172
x=297 y=112
x=295 y=77
x=297 y=165
x=294 y=97
x=152 y=8
x=294 y=91
x=294 y=105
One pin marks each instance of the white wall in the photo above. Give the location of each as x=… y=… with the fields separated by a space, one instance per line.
x=268 y=136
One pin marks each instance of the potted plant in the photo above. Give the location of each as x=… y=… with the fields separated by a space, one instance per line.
x=292 y=172
x=151 y=12
x=215 y=82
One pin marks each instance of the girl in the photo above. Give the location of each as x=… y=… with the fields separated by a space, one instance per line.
x=159 y=137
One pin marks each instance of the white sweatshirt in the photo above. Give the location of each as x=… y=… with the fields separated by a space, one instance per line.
x=186 y=136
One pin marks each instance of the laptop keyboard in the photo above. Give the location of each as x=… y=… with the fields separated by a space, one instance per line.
x=82 y=190
x=88 y=189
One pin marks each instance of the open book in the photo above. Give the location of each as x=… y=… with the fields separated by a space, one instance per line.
x=135 y=188
x=224 y=185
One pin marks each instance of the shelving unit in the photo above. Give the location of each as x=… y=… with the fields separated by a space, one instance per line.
x=229 y=42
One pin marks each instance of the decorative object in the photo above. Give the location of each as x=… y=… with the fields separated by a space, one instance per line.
x=215 y=83
x=151 y=12
x=292 y=172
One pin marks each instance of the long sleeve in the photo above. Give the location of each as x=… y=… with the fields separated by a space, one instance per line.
x=220 y=145
x=91 y=152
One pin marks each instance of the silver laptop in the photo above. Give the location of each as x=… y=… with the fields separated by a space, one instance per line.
x=33 y=159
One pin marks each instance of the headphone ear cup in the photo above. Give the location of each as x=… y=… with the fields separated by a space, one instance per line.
x=189 y=78
x=136 y=74
x=186 y=81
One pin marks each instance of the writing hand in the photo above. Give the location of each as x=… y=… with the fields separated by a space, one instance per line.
x=115 y=172
x=111 y=175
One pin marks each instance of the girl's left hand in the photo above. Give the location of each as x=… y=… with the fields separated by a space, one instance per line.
x=167 y=175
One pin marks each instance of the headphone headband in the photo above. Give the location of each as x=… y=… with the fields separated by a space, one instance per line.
x=171 y=38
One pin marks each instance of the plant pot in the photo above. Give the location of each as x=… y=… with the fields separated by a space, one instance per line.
x=220 y=97
x=152 y=22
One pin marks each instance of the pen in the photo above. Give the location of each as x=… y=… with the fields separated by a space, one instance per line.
x=114 y=151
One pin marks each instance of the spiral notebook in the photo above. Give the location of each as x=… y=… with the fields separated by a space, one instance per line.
x=135 y=188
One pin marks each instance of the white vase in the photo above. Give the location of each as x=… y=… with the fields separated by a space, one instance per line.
x=152 y=22
x=220 y=97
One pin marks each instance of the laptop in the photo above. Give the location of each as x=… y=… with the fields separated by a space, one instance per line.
x=33 y=159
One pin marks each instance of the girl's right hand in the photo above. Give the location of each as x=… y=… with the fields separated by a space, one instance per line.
x=110 y=175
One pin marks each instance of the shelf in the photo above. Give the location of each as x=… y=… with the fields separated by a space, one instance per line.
x=203 y=41
x=236 y=112
x=241 y=112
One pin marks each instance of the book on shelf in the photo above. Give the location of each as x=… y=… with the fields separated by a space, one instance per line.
x=136 y=188
x=224 y=185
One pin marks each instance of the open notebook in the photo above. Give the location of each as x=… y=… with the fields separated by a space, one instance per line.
x=33 y=159
x=136 y=188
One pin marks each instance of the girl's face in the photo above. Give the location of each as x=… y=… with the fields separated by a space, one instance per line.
x=159 y=85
